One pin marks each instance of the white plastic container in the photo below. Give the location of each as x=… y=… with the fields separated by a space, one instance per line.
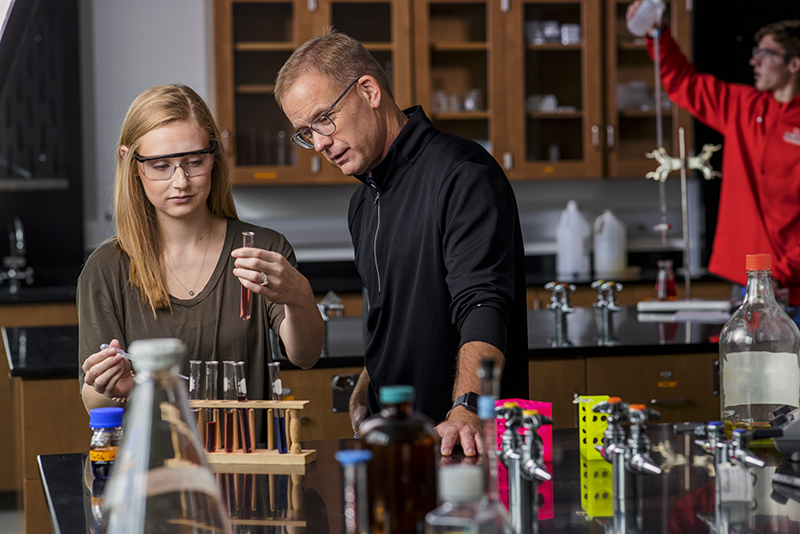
x=573 y=245
x=610 y=246
x=646 y=15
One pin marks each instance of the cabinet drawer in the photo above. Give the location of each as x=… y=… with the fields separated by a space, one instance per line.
x=680 y=386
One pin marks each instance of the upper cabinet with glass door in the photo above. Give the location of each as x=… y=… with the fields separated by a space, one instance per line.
x=458 y=67
x=253 y=40
x=553 y=89
x=633 y=118
x=384 y=28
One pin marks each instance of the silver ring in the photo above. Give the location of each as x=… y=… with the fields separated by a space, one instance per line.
x=266 y=280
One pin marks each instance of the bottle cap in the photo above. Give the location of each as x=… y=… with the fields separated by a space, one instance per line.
x=758 y=262
x=105 y=417
x=486 y=405
x=460 y=483
x=157 y=354
x=353 y=456
x=396 y=394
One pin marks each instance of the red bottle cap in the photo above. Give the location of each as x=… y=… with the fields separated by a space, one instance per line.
x=758 y=262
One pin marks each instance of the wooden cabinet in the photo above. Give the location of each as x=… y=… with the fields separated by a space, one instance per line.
x=554 y=89
x=680 y=386
x=557 y=382
x=631 y=125
x=254 y=39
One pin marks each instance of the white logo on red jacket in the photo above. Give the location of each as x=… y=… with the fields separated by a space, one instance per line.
x=792 y=137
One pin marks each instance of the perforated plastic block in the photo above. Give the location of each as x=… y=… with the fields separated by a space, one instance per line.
x=591 y=426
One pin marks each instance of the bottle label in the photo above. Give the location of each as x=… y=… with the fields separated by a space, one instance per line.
x=760 y=377
x=104 y=454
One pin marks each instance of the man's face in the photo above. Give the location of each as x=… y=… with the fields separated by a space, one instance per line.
x=770 y=68
x=357 y=143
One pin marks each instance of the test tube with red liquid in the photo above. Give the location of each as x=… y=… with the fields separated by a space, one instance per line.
x=244 y=419
x=246 y=305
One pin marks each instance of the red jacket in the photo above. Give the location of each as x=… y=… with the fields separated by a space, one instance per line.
x=759 y=207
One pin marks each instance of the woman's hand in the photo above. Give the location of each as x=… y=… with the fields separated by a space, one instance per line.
x=108 y=373
x=284 y=284
x=272 y=276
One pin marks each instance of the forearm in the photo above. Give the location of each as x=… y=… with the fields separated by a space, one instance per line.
x=359 y=395
x=302 y=332
x=468 y=363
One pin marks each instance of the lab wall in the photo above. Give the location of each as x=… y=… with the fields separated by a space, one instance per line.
x=128 y=46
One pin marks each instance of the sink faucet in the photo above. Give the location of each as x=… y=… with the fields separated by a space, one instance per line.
x=559 y=303
x=14 y=265
x=607 y=304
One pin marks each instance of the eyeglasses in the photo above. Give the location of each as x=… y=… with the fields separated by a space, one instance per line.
x=194 y=163
x=766 y=54
x=323 y=124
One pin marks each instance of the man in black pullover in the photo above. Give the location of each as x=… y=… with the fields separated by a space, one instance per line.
x=436 y=234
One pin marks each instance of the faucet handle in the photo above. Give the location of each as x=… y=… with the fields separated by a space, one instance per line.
x=559 y=297
x=607 y=294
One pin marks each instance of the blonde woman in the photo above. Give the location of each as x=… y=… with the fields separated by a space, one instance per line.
x=176 y=266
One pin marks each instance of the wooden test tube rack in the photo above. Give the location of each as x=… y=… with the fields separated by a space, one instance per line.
x=295 y=455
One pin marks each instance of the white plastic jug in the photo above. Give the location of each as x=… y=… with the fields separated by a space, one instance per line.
x=610 y=246
x=647 y=14
x=573 y=244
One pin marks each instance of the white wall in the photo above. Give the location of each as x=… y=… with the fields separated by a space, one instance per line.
x=127 y=47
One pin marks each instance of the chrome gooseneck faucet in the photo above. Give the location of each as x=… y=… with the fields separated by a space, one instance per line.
x=15 y=264
x=629 y=458
x=522 y=456
x=559 y=303
x=607 y=304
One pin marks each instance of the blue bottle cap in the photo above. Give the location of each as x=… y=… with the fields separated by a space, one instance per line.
x=486 y=407
x=396 y=394
x=353 y=456
x=105 y=417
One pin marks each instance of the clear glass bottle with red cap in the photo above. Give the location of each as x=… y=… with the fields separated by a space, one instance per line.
x=758 y=354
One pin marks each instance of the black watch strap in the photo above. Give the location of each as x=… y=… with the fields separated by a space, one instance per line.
x=468 y=400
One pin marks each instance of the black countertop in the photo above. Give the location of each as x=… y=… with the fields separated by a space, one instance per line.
x=680 y=501
x=51 y=351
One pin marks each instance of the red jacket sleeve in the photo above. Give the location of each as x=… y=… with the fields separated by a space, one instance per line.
x=702 y=95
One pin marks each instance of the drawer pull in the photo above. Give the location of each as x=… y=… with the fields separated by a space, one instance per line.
x=669 y=401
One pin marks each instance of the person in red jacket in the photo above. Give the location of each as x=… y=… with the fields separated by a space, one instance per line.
x=759 y=207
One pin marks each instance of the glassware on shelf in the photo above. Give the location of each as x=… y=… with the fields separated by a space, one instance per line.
x=758 y=355
x=161 y=481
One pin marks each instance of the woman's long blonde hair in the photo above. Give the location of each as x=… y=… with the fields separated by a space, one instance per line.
x=138 y=233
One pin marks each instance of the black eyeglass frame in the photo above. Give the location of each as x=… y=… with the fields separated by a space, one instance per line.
x=766 y=53
x=212 y=147
x=298 y=138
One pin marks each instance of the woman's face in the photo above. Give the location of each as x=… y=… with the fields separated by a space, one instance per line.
x=178 y=196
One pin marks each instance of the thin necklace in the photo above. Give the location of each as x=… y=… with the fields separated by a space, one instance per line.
x=191 y=291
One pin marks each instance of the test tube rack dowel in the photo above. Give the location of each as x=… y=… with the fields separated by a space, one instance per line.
x=295 y=456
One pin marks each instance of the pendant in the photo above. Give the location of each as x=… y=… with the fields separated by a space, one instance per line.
x=191 y=293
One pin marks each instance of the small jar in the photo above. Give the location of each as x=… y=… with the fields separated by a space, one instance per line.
x=107 y=426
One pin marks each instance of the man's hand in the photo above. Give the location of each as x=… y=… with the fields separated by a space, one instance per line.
x=464 y=427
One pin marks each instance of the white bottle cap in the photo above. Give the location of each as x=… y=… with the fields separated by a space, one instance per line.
x=460 y=483
x=157 y=354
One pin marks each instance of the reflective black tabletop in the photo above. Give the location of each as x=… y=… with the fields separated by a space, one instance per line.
x=578 y=499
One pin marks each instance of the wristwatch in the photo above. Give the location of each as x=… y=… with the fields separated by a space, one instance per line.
x=468 y=400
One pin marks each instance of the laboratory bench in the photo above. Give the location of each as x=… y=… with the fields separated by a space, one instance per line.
x=578 y=499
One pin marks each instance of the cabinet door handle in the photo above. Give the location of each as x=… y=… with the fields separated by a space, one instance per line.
x=669 y=401
x=508 y=160
x=315 y=164
x=312 y=5
x=610 y=137
x=505 y=6
x=595 y=137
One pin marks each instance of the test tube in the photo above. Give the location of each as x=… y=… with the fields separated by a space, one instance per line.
x=354 y=482
x=244 y=426
x=277 y=394
x=229 y=393
x=195 y=368
x=246 y=305
x=211 y=415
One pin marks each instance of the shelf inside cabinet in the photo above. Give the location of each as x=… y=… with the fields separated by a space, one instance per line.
x=267 y=89
x=378 y=47
x=263 y=46
x=459 y=47
x=461 y=115
x=632 y=45
x=554 y=47
x=642 y=113
x=555 y=114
